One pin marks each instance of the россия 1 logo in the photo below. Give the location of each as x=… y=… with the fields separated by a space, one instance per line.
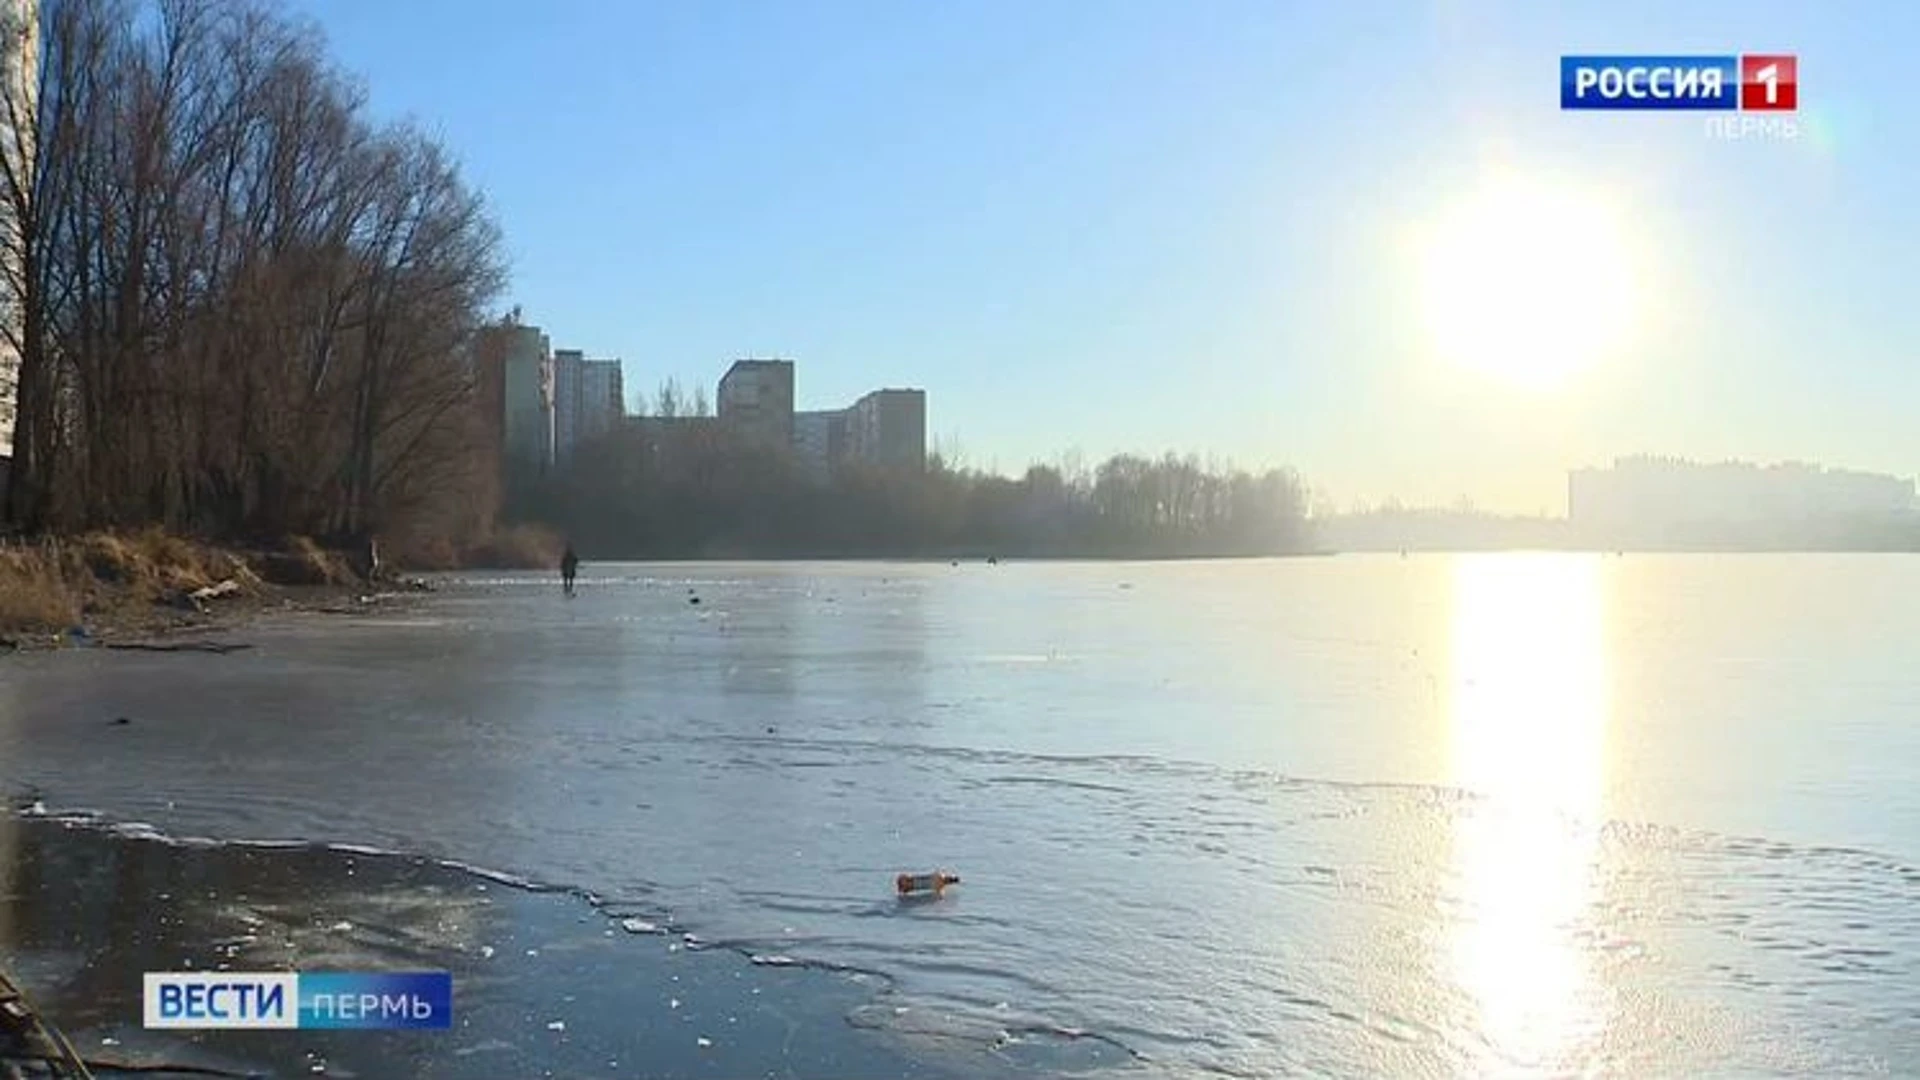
x=1746 y=83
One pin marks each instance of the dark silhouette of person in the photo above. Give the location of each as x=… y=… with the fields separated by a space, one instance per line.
x=569 y=566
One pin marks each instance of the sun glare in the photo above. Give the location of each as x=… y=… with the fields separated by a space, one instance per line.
x=1529 y=283
x=1529 y=733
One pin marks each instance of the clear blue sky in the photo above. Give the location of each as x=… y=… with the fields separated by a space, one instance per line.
x=1120 y=224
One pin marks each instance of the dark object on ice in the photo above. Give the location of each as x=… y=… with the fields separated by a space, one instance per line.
x=924 y=884
x=119 y=721
x=693 y=600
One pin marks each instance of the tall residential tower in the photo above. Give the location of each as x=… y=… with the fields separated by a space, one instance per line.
x=756 y=402
x=589 y=401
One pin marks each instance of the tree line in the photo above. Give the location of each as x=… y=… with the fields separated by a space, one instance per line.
x=677 y=484
x=241 y=306
x=245 y=309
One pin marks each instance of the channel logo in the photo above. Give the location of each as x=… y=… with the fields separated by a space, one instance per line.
x=314 y=1000
x=1753 y=82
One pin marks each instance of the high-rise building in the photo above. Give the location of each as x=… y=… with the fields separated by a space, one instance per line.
x=589 y=399
x=756 y=402
x=888 y=428
x=603 y=396
x=20 y=21
x=489 y=368
x=820 y=441
x=566 y=402
x=526 y=360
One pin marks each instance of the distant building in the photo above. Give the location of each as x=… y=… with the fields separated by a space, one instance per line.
x=820 y=441
x=527 y=398
x=756 y=402
x=1669 y=500
x=489 y=368
x=566 y=403
x=603 y=396
x=589 y=399
x=888 y=428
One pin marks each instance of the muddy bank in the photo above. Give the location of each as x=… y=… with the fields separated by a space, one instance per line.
x=93 y=587
x=107 y=588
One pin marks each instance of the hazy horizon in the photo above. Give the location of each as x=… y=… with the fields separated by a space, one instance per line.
x=1145 y=227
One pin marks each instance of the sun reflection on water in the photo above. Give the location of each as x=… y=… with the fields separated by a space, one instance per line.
x=1528 y=733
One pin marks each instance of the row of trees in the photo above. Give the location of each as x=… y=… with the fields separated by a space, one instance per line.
x=241 y=307
x=678 y=486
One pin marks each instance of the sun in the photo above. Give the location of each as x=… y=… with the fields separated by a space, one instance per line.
x=1531 y=283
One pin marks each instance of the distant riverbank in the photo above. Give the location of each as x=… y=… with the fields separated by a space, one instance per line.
x=956 y=559
x=1627 y=549
x=1460 y=531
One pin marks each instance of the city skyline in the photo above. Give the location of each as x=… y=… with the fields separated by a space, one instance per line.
x=539 y=407
x=635 y=401
x=1175 y=232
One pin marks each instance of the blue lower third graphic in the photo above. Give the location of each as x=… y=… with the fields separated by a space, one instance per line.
x=315 y=1000
x=381 y=1001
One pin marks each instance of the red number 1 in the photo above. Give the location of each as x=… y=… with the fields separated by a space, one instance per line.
x=1769 y=83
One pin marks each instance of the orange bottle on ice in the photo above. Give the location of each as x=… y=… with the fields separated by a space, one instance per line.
x=915 y=884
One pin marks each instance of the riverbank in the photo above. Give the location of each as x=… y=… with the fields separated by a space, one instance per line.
x=127 y=588
x=546 y=982
x=115 y=589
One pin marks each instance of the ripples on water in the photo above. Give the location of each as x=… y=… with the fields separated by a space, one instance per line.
x=1342 y=816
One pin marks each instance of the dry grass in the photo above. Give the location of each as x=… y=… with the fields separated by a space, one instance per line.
x=121 y=577
x=127 y=580
x=304 y=562
x=328 y=567
x=35 y=594
x=153 y=564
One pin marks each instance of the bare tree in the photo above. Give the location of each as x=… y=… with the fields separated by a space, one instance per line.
x=668 y=401
x=240 y=306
